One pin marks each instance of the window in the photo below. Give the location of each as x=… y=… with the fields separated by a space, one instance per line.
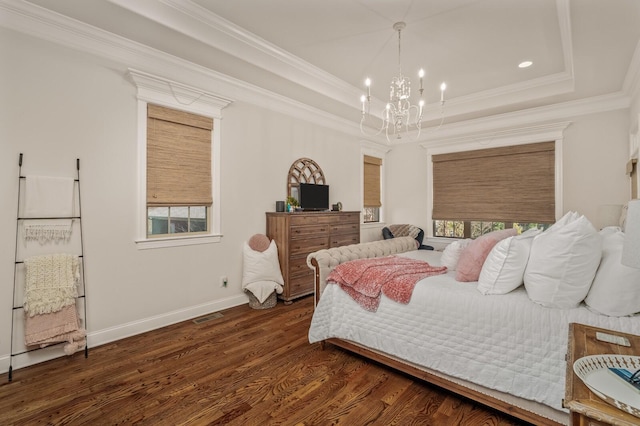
x=176 y=220
x=184 y=217
x=178 y=171
x=475 y=192
x=371 y=188
x=474 y=229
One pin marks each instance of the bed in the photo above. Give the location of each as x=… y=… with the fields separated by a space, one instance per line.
x=503 y=351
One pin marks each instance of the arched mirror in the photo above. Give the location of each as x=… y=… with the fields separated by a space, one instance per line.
x=303 y=170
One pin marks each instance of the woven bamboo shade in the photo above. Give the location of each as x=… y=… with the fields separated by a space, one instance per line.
x=372 y=181
x=178 y=158
x=510 y=184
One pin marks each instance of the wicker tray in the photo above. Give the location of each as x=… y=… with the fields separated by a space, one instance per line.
x=594 y=372
x=269 y=302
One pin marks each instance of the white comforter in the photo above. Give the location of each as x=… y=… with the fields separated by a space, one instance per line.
x=504 y=342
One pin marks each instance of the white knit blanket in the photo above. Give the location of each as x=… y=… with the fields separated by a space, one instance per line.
x=51 y=283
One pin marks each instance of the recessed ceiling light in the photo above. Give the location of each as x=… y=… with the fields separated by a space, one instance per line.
x=525 y=64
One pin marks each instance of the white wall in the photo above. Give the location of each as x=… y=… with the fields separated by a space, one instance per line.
x=59 y=105
x=596 y=151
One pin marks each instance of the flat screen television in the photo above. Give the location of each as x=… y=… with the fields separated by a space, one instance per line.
x=314 y=197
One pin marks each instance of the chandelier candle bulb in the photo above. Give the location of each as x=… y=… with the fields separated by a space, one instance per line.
x=443 y=87
x=367 y=83
x=363 y=99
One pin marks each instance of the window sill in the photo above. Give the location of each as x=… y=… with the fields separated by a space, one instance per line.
x=439 y=243
x=153 y=243
x=372 y=225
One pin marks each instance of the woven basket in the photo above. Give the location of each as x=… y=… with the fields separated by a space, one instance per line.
x=269 y=302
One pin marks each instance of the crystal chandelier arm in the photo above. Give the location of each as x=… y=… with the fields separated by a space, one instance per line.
x=384 y=126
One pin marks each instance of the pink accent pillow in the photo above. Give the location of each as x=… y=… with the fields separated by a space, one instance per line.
x=473 y=256
x=259 y=242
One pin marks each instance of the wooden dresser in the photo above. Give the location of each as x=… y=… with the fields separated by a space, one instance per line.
x=298 y=234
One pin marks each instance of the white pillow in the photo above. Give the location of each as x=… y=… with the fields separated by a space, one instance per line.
x=451 y=253
x=562 y=264
x=616 y=288
x=261 y=266
x=564 y=220
x=503 y=271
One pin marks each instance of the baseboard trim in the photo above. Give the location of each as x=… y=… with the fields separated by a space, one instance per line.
x=112 y=334
x=123 y=331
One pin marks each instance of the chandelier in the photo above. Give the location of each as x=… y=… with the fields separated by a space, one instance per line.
x=399 y=116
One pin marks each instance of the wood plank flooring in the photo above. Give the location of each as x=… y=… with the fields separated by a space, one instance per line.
x=250 y=367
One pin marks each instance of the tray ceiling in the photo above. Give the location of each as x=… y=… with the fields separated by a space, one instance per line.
x=319 y=52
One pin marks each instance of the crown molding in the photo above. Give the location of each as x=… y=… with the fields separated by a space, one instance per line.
x=197 y=22
x=539 y=88
x=499 y=137
x=374 y=148
x=36 y=21
x=564 y=20
x=631 y=84
x=162 y=91
x=527 y=117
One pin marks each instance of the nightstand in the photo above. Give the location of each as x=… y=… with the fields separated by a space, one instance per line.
x=587 y=409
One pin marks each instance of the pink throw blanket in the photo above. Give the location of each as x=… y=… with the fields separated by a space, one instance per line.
x=61 y=326
x=365 y=280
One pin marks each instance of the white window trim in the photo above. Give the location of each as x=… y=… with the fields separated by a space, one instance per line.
x=164 y=92
x=510 y=137
x=379 y=151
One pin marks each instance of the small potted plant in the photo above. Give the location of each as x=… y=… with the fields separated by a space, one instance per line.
x=292 y=204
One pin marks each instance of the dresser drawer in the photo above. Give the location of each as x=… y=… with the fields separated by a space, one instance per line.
x=306 y=246
x=298 y=266
x=309 y=231
x=343 y=240
x=337 y=218
x=301 y=285
x=310 y=219
x=344 y=228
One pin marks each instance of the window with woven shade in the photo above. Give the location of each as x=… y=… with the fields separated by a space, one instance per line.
x=179 y=183
x=497 y=186
x=372 y=194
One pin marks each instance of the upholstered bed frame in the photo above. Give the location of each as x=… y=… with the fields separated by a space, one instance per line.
x=324 y=261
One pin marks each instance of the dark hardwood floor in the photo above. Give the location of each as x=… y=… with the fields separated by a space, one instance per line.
x=249 y=367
